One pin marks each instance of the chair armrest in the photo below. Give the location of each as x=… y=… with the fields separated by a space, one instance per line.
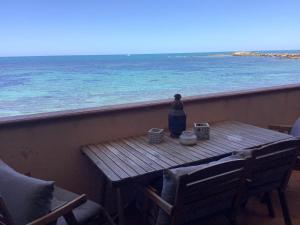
x=248 y=181
x=156 y=199
x=60 y=211
x=281 y=128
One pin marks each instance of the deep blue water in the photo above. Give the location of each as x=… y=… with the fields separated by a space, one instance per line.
x=31 y=85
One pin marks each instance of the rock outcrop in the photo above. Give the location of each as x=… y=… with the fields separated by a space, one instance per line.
x=281 y=55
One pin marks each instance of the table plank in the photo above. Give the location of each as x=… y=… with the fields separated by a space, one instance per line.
x=220 y=142
x=149 y=161
x=261 y=135
x=101 y=165
x=174 y=151
x=125 y=159
x=132 y=158
x=259 y=130
x=108 y=161
x=191 y=154
x=165 y=151
x=214 y=146
x=150 y=153
x=176 y=142
x=235 y=139
x=248 y=135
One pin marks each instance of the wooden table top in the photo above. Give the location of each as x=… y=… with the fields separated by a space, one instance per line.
x=129 y=159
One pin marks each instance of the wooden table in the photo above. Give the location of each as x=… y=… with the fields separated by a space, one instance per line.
x=131 y=160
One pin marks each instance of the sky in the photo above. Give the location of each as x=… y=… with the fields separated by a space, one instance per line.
x=88 y=27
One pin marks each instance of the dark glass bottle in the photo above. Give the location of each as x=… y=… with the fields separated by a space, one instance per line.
x=177 y=117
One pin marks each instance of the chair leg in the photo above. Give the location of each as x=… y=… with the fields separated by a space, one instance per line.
x=120 y=206
x=268 y=201
x=284 y=206
x=145 y=212
x=107 y=217
x=70 y=219
x=297 y=165
x=232 y=216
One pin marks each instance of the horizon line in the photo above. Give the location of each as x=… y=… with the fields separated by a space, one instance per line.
x=158 y=53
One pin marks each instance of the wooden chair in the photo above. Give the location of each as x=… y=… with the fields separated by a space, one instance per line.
x=289 y=129
x=202 y=194
x=63 y=211
x=293 y=130
x=67 y=208
x=270 y=169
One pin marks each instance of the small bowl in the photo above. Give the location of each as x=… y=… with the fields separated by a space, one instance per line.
x=188 y=138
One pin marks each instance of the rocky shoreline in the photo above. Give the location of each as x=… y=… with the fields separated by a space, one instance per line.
x=280 y=55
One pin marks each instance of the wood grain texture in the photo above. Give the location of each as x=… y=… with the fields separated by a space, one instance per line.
x=131 y=158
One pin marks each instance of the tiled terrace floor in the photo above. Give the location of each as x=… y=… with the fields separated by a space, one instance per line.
x=256 y=213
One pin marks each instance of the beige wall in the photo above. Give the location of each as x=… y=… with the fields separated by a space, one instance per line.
x=48 y=145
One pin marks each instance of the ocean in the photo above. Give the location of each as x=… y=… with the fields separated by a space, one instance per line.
x=30 y=85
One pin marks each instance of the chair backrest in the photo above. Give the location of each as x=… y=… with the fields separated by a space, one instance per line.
x=271 y=165
x=5 y=217
x=208 y=191
x=296 y=128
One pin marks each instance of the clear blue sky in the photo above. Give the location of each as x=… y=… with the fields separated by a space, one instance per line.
x=64 y=27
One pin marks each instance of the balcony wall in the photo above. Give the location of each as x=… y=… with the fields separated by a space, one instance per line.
x=48 y=145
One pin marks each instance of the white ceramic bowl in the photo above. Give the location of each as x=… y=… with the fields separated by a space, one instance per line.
x=188 y=138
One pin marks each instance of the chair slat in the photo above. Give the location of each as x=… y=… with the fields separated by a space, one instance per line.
x=211 y=208
x=215 y=170
x=199 y=194
x=221 y=196
x=271 y=168
x=261 y=189
x=219 y=179
x=215 y=189
x=277 y=147
x=272 y=164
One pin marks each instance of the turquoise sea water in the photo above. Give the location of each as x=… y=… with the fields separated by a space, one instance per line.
x=31 y=85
